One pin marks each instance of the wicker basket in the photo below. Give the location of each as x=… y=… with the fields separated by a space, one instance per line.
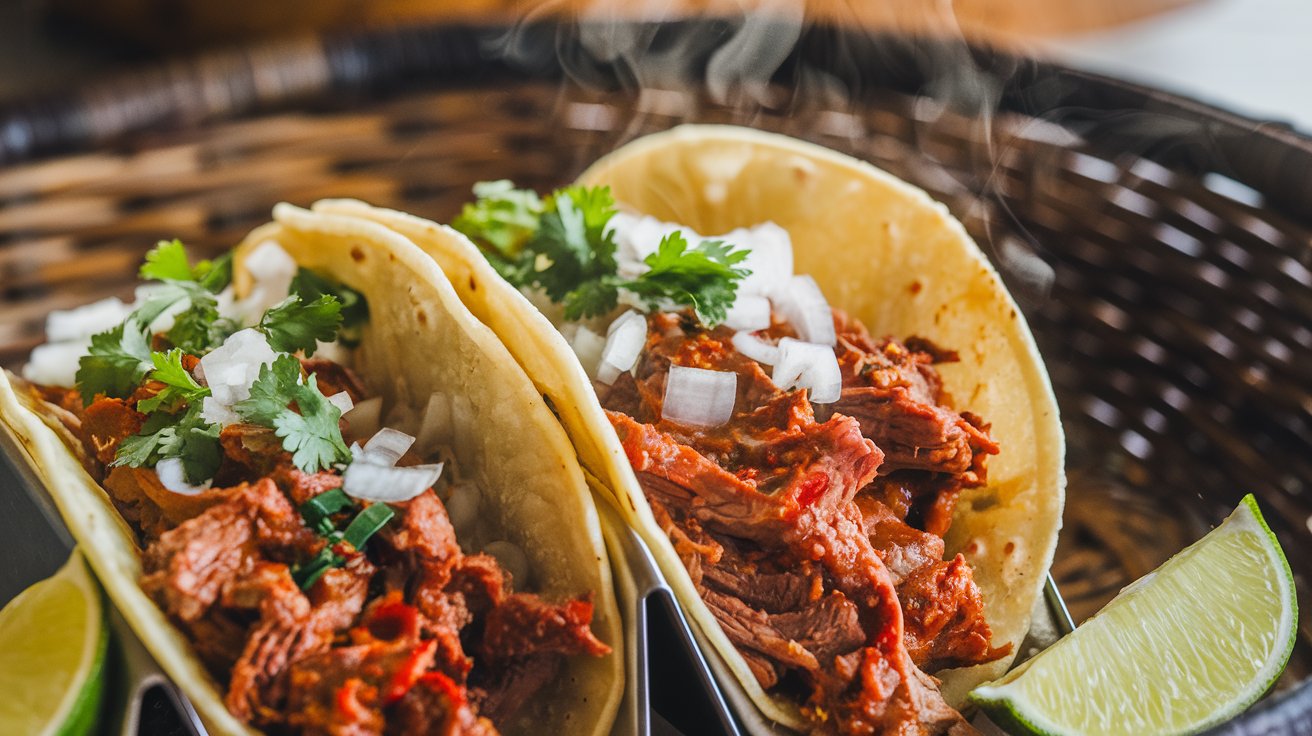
x=1160 y=248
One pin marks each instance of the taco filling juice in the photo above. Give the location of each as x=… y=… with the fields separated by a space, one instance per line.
x=804 y=471
x=308 y=554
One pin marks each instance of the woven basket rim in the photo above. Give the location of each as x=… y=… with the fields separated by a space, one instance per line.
x=163 y=95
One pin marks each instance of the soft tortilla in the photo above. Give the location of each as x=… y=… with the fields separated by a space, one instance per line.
x=419 y=340
x=881 y=250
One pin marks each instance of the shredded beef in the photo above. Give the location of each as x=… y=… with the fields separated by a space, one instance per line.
x=944 y=616
x=769 y=592
x=332 y=378
x=795 y=521
x=332 y=659
x=523 y=624
x=306 y=633
x=437 y=706
x=106 y=423
x=285 y=632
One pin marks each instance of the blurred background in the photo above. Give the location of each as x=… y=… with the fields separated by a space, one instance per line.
x=1251 y=56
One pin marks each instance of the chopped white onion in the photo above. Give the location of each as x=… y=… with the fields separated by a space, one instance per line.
x=749 y=313
x=769 y=258
x=334 y=351
x=87 y=320
x=386 y=447
x=227 y=304
x=755 y=348
x=810 y=366
x=804 y=305
x=273 y=270
x=627 y=336
x=55 y=364
x=217 y=413
x=588 y=346
x=370 y=482
x=231 y=368
x=512 y=559
x=173 y=476
x=342 y=401
x=363 y=419
x=268 y=262
x=699 y=397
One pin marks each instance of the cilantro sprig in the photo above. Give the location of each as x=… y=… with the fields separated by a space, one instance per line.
x=185 y=435
x=296 y=324
x=503 y=217
x=119 y=358
x=167 y=261
x=310 y=431
x=116 y=361
x=309 y=286
x=175 y=426
x=179 y=385
x=703 y=277
x=563 y=245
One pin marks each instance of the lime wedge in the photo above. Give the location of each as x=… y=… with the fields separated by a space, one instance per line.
x=1181 y=649
x=53 y=638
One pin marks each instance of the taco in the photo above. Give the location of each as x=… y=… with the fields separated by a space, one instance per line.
x=857 y=504
x=289 y=468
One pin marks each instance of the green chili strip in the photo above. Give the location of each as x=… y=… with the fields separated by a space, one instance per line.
x=366 y=523
x=307 y=574
x=318 y=511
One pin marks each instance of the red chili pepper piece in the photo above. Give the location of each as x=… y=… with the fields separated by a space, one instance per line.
x=812 y=488
x=348 y=702
x=405 y=677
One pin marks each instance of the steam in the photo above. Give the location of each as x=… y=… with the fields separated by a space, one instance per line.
x=768 y=57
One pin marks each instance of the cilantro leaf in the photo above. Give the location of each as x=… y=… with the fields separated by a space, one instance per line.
x=592 y=298
x=215 y=275
x=144 y=448
x=179 y=386
x=312 y=435
x=157 y=299
x=703 y=277
x=573 y=237
x=272 y=391
x=309 y=286
x=201 y=452
x=199 y=328
x=571 y=255
x=503 y=217
x=184 y=435
x=170 y=430
x=295 y=325
x=115 y=363
x=167 y=261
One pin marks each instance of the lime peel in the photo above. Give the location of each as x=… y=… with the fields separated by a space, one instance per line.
x=1163 y=656
x=53 y=643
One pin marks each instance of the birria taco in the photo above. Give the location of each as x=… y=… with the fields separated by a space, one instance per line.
x=290 y=468
x=856 y=504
